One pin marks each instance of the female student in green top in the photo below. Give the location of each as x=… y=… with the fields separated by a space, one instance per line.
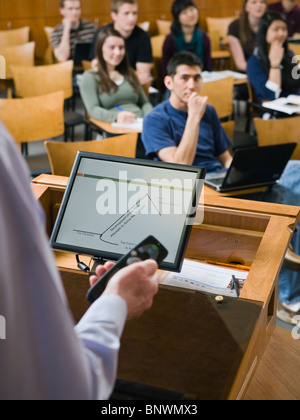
x=113 y=93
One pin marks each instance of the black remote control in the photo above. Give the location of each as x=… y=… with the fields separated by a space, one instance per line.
x=149 y=248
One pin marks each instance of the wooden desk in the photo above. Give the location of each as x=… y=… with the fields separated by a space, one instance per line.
x=187 y=343
x=109 y=128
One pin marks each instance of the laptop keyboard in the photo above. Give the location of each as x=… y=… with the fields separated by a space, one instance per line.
x=218 y=181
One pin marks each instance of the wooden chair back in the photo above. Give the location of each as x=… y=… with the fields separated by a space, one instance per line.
x=164 y=26
x=157 y=43
x=86 y=65
x=40 y=80
x=220 y=95
x=2 y=67
x=279 y=131
x=62 y=155
x=48 y=55
x=22 y=55
x=14 y=37
x=218 y=28
x=34 y=119
x=229 y=127
x=296 y=50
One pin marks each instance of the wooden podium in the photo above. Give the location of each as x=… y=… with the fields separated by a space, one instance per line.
x=188 y=344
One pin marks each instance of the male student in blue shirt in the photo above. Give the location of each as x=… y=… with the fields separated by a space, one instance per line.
x=185 y=129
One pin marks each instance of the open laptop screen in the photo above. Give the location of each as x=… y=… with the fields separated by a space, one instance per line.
x=112 y=203
x=258 y=165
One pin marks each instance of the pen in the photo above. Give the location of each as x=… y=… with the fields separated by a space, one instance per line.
x=235 y=286
x=119 y=108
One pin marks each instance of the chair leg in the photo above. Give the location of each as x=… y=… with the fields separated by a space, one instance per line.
x=24 y=149
x=66 y=134
x=87 y=132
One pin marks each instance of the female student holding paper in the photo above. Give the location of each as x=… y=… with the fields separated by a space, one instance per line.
x=113 y=93
x=271 y=69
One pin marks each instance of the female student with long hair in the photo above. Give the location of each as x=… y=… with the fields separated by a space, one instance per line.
x=242 y=32
x=271 y=68
x=113 y=93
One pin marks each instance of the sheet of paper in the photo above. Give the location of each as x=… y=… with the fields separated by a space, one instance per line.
x=205 y=278
x=211 y=76
x=289 y=105
x=137 y=125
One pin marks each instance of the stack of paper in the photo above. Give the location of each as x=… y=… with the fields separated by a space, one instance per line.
x=136 y=125
x=205 y=278
x=211 y=76
x=289 y=105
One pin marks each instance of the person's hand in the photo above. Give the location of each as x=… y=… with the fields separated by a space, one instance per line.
x=67 y=22
x=145 y=78
x=125 y=117
x=276 y=53
x=95 y=64
x=100 y=271
x=137 y=284
x=197 y=106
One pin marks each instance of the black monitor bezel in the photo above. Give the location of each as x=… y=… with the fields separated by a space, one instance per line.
x=176 y=266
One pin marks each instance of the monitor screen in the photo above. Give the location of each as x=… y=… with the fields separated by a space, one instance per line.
x=113 y=203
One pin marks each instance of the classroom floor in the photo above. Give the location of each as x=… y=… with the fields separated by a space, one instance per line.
x=38 y=162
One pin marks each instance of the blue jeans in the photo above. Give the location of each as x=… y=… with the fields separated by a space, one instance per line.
x=287 y=191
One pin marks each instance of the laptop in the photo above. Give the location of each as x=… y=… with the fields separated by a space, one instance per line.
x=82 y=52
x=253 y=167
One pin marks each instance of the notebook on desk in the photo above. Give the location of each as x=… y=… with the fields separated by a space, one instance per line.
x=252 y=168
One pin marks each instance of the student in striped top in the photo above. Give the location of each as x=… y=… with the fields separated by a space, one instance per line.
x=72 y=30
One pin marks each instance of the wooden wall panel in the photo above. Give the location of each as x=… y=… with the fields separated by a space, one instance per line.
x=21 y=9
x=40 y=13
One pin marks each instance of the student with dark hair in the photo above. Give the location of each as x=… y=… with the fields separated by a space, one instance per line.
x=291 y=12
x=271 y=68
x=71 y=30
x=113 y=92
x=184 y=129
x=124 y=14
x=186 y=35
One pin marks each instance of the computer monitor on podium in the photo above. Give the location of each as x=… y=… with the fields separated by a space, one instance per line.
x=113 y=203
